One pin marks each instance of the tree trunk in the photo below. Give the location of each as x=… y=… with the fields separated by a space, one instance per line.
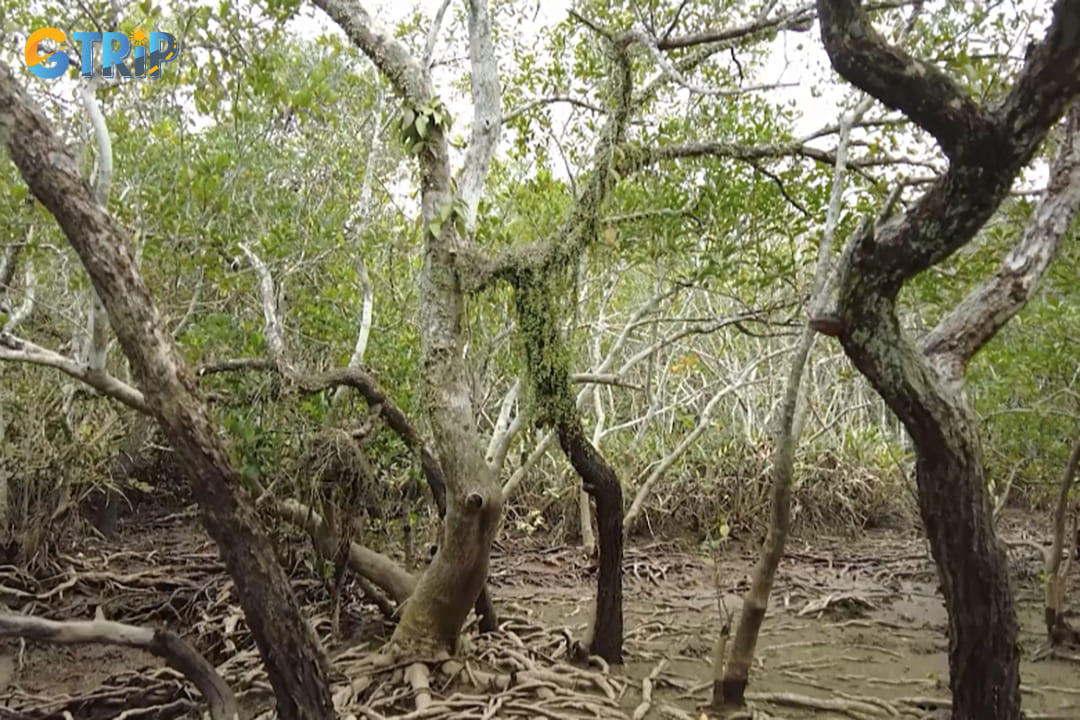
x=600 y=482
x=295 y=663
x=454 y=580
x=487 y=620
x=1058 y=631
x=924 y=386
x=984 y=658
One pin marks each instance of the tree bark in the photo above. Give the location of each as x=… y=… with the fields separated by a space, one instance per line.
x=1058 y=631
x=296 y=665
x=925 y=389
x=599 y=481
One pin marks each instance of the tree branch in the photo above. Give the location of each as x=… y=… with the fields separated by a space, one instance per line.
x=433 y=34
x=98 y=328
x=408 y=77
x=932 y=99
x=16 y=349
x=161 y=643
x=273 y=330
x=478 y=270
x=960 y=202
x=26 y=307
x=540 y=102
x=1050 y=77
x=487 y=111
x=799 y=19
x=991 y=305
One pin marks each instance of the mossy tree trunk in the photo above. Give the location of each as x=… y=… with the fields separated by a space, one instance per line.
x=539 y=298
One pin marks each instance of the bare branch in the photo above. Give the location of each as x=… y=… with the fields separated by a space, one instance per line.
x=273 y=329
x=366 y=311
x=26 y=307
x=990 y=306
x=164 y=644
x=603 y=379
x=16 y=349
x=503 y=433
x=642 y=36
x=353 y=231
x=433 y=34
x=703 y=424
x=540 y=102
x=408 y=77
x=98 y=327
x=637 y=158
x=798 y=19
x=487 y=111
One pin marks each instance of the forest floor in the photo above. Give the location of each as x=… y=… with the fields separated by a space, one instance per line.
x=856 y=629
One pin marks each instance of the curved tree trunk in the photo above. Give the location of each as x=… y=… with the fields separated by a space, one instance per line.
x=600 y=482
x=295 y=663
x=924 y=385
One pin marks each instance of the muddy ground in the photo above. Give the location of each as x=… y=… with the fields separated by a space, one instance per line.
x=856 y=629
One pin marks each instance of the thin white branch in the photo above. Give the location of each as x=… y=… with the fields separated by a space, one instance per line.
x=487 y=111
x=273 y=328
x=503 y=433
x=16 y=349
x=433 y=34
x=687 y=442
x=354 y=229
x=21 y=313
x=98 y=321
x=366 y=313
x=164 y=644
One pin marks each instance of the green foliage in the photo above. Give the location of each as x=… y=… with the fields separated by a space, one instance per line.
x=260 y=138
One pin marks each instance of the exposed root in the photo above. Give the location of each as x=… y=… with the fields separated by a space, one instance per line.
x=646 y=691
x=509 y=676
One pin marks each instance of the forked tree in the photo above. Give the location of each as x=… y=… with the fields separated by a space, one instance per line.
x=986 y=147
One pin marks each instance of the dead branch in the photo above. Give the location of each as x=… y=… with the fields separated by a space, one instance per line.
x=162 y=643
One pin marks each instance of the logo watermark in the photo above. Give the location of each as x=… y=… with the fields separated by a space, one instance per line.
x=139 y=54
